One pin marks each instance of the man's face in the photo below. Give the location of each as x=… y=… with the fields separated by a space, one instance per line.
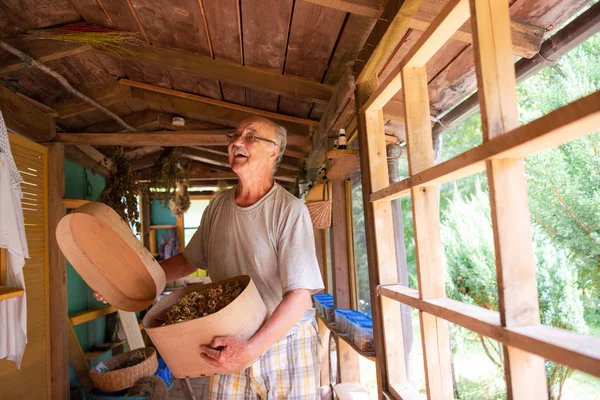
x=256 y=157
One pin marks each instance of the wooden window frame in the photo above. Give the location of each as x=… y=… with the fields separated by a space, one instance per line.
x=526 y=342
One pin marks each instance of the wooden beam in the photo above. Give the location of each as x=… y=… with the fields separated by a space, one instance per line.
x=205 y=157
x=73 y=203
x=57 y=271
x=146 y=161
x=214 y=137
x=253 y=78
x=563 y=125
x=95 y=155
x=365 y=8
x=452 y=17
x=166 y=121
x=77 y=360
x=142 y=151
x=204 y=175
x=146 y=120
x=387 y=322
x=23 y=117
x=390 y=40
x=526 y=38
x=43 y=50
x=106 y=96
x=515 y=264
x=221 y=115
x=131 y=327
x=428 y=244
x=575 y=350
x=220 y=103
x=72 y=153
x=342 y=95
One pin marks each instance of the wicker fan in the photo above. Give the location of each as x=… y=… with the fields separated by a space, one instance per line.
x=320 y=210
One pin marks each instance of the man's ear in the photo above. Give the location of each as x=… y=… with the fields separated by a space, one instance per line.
x=275 y=152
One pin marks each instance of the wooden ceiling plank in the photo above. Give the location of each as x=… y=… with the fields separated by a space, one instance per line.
x=265 y=31
x=313 y=34
x=142 y=151
x=225 y=38
x=92 y=12
x=43 y=13
x=220 y=115
x=24 y=117
x=106 y=96
x=365 y=8
x=220 y=103
x=41 y=50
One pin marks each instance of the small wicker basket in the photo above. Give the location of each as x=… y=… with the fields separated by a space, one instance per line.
x=320 y=210
x=115 y=380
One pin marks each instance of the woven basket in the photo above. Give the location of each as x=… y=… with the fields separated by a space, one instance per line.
x=320 y=210
x=113 y=381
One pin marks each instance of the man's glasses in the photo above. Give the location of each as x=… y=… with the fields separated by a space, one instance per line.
x=248 y=138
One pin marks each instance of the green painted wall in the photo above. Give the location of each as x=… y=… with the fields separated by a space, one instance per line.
x=79 y=293
x=161 y=215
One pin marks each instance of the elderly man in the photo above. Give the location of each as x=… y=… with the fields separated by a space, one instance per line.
x=259 y=229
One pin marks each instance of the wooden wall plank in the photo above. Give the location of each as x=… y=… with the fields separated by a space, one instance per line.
x=515 y=265
x=265 y=28
x=59 y=318
x=428 y=247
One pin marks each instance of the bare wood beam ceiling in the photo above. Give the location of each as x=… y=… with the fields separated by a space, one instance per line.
x=146 y=120
x=77 y=156
x=142 y=151
x=223 y=116
x=23 y=117
x=41 y=50
x=209 y=156
x=95 y=155
x=526 y=38
x=166 y=121
x=365 y=8
x=106 y=96
x=209 y=175
x=220 y=103
x=228 y=72
x=214 y=137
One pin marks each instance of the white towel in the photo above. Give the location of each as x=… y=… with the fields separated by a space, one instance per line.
x=13 y=312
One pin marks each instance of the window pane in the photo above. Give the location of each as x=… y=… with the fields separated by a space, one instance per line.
x=360 y=249
x=193 y=215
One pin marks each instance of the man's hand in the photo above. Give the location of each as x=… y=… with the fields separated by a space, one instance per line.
x=228 y=354
x=99 y=298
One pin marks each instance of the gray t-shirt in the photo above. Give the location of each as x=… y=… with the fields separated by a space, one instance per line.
x=272 y=241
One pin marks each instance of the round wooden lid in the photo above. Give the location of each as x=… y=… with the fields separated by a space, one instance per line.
x=109 y=257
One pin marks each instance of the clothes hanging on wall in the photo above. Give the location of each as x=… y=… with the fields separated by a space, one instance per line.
x=13 y=311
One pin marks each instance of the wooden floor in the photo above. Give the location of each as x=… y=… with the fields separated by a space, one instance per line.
x=199 y=388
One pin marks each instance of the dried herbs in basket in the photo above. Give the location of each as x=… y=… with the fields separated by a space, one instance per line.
x=202 y=303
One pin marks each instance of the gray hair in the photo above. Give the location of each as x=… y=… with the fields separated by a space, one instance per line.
x=281 y=139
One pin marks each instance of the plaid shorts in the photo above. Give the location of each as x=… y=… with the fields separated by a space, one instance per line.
x=290 y=369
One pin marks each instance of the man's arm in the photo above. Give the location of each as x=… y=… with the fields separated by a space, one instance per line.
x=232 y=354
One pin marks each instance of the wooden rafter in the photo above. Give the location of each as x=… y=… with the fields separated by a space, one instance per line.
x=365 y=8
x=198 y=176
x=229 y=72
x=77 y=156
x=41 y=50
x=23 y=117
x=146 y=120
x=220 y=103
x=106 y=96
x=214 y=137
x=217 y=114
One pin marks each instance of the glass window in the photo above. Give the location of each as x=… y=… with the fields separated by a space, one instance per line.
x=192 y=218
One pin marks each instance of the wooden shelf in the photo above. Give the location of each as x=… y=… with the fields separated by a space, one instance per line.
x=7 y=292
x=162 y=226
x=369 y=355
x=86 y=316
x=342 y=163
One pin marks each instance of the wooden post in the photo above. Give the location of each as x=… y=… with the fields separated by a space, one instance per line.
x=145 y=214
x=347 y=358
x=515 y=266
x=387 y=323
x=59 y=317
x=350 y=239
x=132 y=329
x=428 y=245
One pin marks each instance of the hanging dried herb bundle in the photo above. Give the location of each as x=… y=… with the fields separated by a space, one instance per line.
x=166 y=173
x=122 y=189
x=202 y=303
x=180 y=202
